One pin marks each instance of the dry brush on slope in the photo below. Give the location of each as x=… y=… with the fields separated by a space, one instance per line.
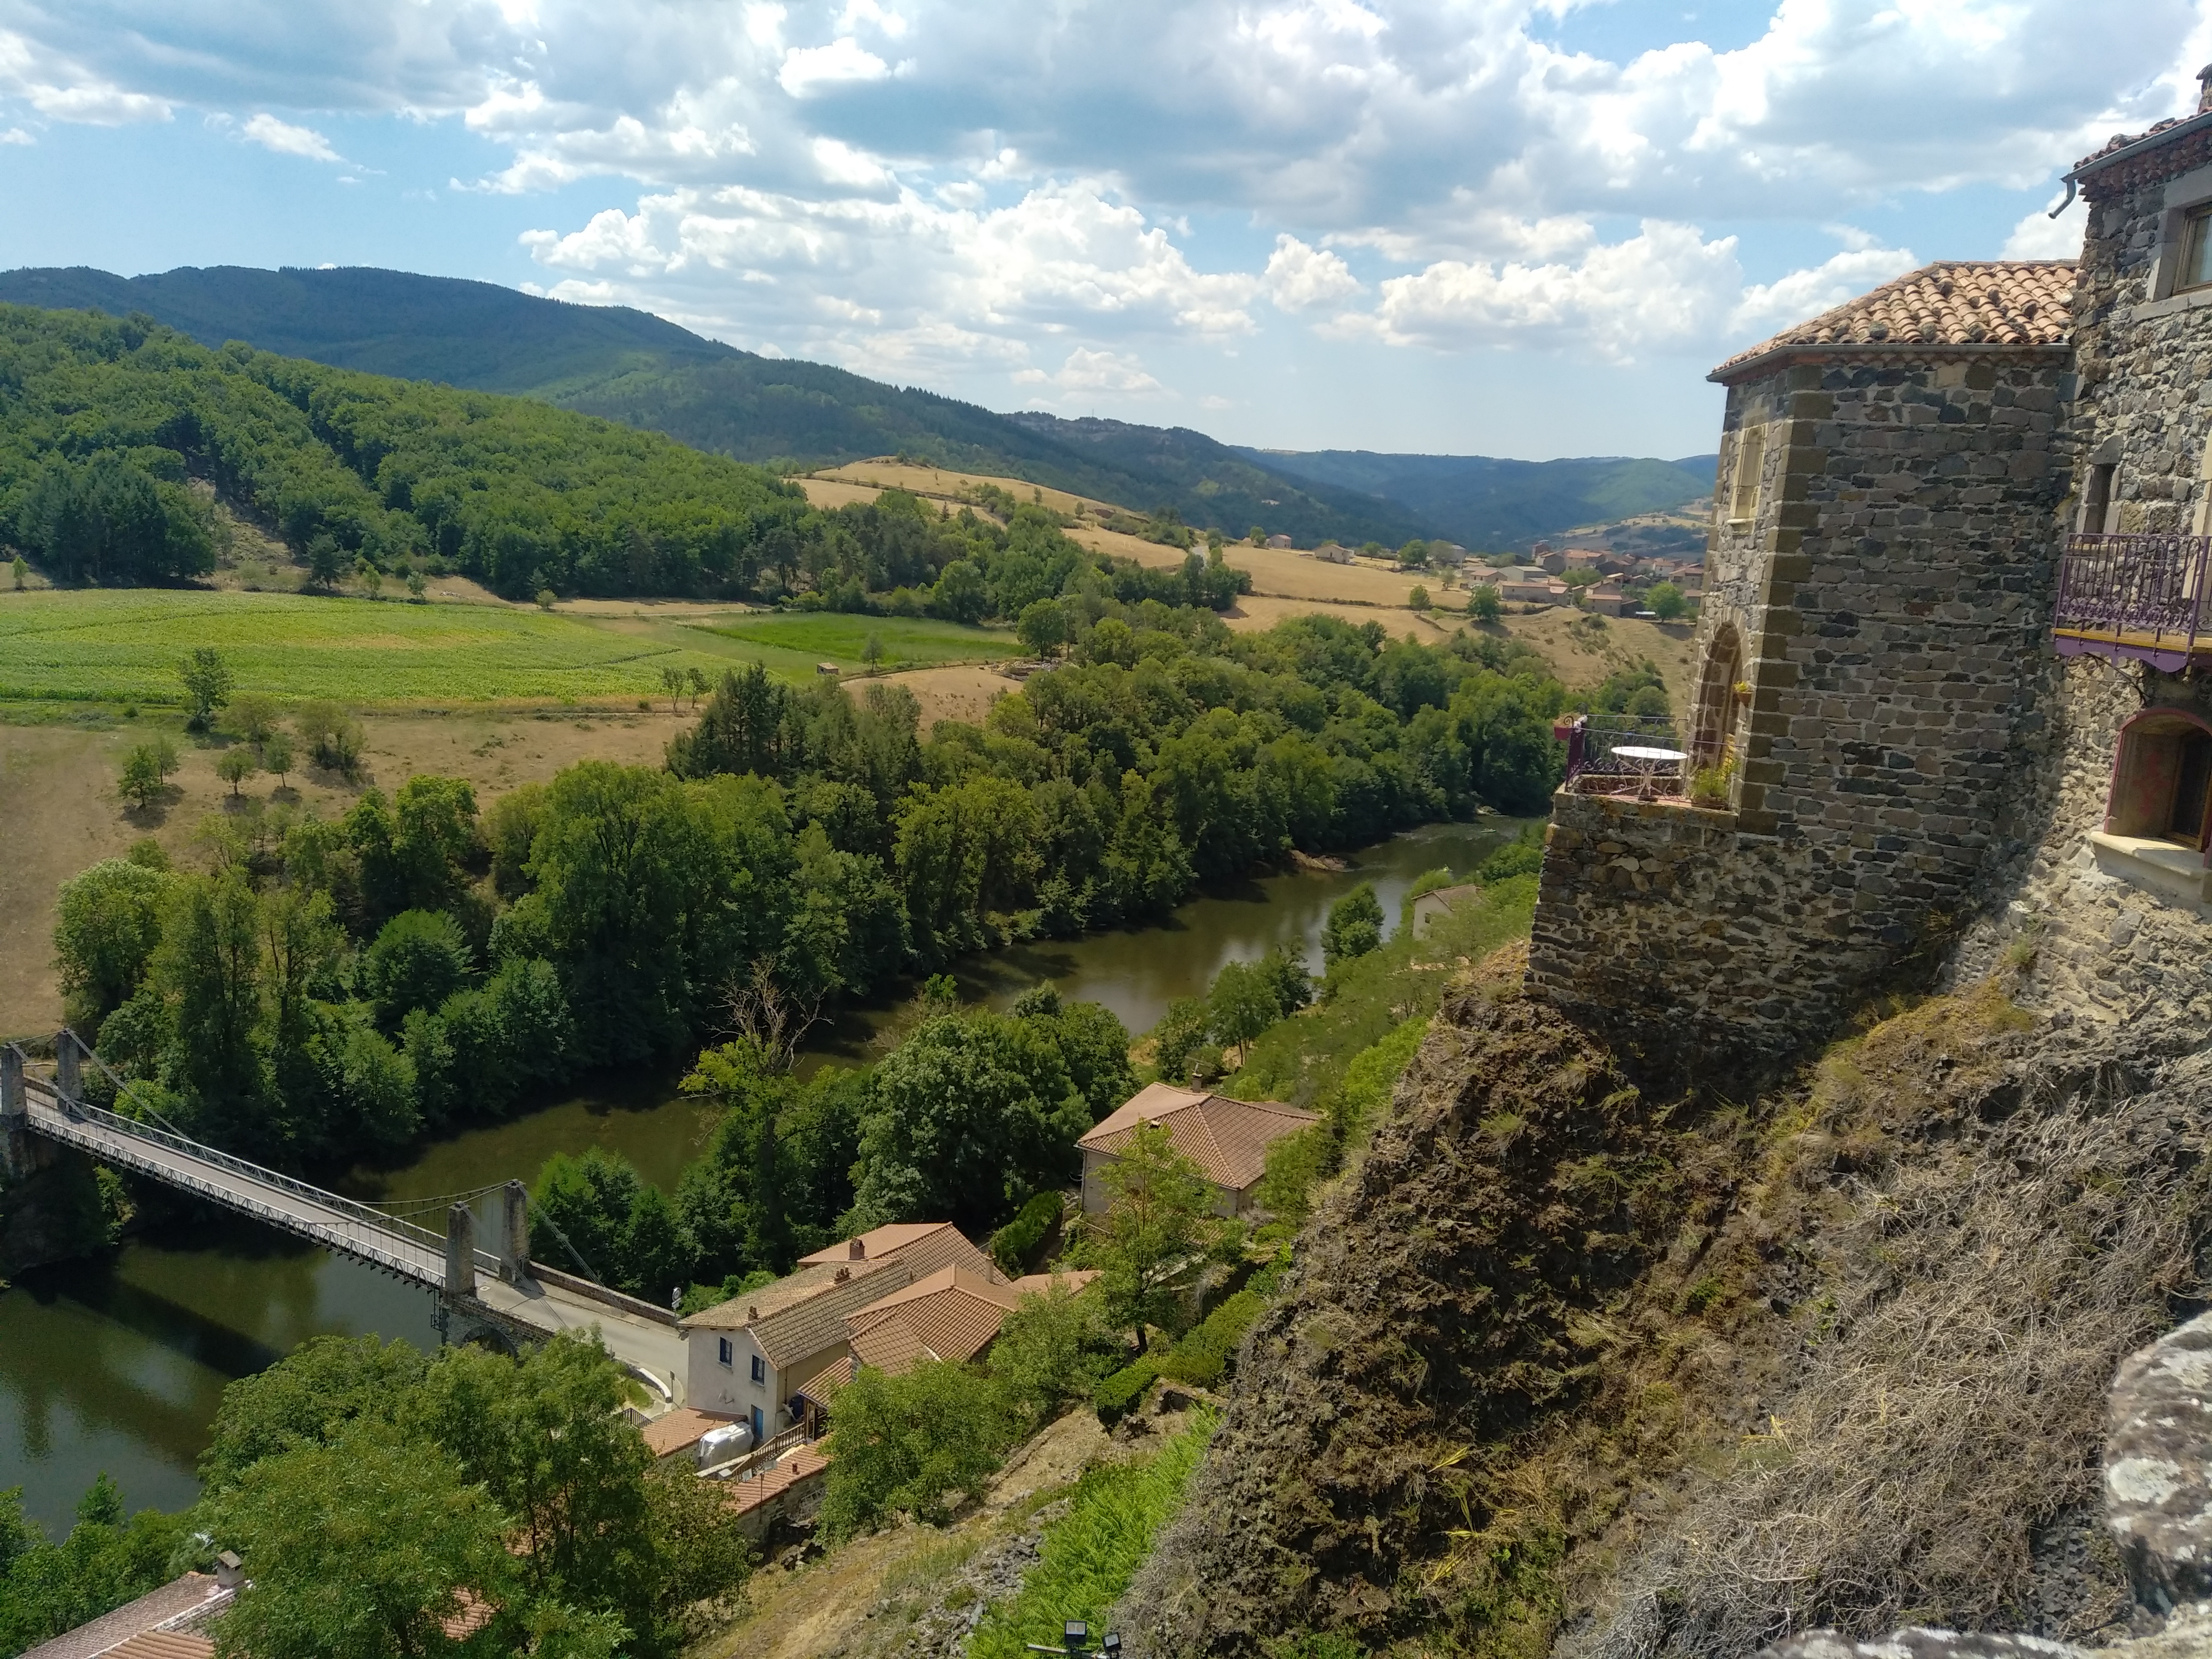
x=1562 y=1368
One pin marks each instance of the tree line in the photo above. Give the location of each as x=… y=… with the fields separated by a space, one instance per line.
x=384 y=1502
x=326 y=987
x=117 y=436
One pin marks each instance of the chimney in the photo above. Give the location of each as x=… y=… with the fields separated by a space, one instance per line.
x=229 y=1571
x=752 y=1314
x=2204 y=90
x=856 y=1249
x=841 y=1275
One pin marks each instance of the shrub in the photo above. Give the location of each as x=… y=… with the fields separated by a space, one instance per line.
x=918 y=1443
x=332 y=737
x=1208 y=1350
x=1117 y=1396
x=420 y=958
x=1523 y=857
x=1354 y=926
x=1052 y=1350
x=1014 y=1245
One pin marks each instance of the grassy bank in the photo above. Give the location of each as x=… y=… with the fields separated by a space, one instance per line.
x=1091 y=1552
x=1306 y=1058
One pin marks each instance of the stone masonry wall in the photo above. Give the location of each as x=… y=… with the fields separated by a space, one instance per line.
x=1892 y=593
x=2145 y=362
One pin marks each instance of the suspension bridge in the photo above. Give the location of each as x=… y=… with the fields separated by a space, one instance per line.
x=479 y=1267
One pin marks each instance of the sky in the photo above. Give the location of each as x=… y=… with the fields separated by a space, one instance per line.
x=1521 y=227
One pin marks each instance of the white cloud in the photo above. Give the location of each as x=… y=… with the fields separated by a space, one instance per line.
x=62 y=89
x=1298 y=277
x=2039 y=236
x=1805 y=293
x=1085 y=371
x=1664 y=288
x=808 y=69
x=286 y=139
x=16 y=135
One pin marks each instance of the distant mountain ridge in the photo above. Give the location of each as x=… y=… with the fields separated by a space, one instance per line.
x=1481 y=502
x=630 y=366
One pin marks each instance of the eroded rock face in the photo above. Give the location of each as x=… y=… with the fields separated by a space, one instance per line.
x=2158 y=1466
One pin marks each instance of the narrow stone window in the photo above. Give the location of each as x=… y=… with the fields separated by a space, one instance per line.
x=2097 y=500
x=2161 y=779
x=1713 y=735
x=2195 y=268
x=1750 y=459
x=2203 y=523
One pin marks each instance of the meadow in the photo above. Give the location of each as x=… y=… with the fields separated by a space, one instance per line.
x=809 y=637
x=121 y=646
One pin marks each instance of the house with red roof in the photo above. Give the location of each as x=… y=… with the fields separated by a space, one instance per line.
x=1228 y=1139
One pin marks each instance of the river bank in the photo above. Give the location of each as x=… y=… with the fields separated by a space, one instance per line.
x=116 y=1363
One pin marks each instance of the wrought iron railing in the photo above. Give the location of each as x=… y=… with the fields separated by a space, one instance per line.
x=1596 y=767
x=2134 y=596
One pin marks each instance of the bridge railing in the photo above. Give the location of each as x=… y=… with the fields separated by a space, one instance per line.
x=358 y=1214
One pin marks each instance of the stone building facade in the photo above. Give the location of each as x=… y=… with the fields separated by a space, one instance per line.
x=1873 y=666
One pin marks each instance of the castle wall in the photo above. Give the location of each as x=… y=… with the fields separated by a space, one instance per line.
x=1892 y=591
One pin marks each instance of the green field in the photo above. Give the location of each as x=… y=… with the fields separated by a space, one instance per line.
x=792 y=639
x=123 y=646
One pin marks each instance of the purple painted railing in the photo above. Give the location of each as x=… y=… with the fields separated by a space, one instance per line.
x=1593 y=768
x=2134 y=596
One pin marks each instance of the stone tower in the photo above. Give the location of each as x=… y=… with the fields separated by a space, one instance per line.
x=1872 y=659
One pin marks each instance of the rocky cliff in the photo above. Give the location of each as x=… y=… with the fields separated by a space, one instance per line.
x=1564 y=1368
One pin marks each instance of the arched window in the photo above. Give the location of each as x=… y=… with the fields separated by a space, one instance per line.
x=2162 y=778
x=1714 y=732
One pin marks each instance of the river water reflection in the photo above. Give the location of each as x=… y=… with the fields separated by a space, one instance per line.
x=117 y=1364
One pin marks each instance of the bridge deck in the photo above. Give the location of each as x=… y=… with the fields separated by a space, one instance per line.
x=643 y=1337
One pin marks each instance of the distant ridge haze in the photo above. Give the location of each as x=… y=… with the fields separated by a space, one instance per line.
x=633 y=367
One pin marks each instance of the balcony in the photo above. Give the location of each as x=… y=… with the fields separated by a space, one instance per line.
x=2137 y=597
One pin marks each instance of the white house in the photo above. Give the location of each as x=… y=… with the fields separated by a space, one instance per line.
x=749 y=1357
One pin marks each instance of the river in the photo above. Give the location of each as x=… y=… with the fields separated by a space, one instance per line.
x=118 y=1363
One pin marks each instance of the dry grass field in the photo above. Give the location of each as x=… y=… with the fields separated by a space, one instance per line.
x=61 y=778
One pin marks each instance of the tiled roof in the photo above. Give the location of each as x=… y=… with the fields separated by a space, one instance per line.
x=877 y=1241
x=673 y=1431
x=176 y=1600
x=804 y=1312
x=1228 y=1139
x=2025 y=303
x=760 y=1306
x=952 y=1314
x=821 y=1387
x=163 y=1644
x=750 y=1491
x=1045 y=1284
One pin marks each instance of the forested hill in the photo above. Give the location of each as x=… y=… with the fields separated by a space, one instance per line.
x=1480 y=502
x=630 y=367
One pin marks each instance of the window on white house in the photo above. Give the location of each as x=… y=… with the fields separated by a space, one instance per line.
x=760 y=1370
x=723 y=1351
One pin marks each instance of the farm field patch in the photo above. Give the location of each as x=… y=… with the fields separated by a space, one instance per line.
x=800 y=639
x=123 y=646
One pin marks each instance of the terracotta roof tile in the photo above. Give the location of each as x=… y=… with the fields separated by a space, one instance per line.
x=1045 y=1284
x=750 y=1491
x=178 y=1600
x=2009 y=303
x=673 y=1431
x=877 y=1241
x=952 y=1314
x=1228 y=1139
x=164 y=1645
